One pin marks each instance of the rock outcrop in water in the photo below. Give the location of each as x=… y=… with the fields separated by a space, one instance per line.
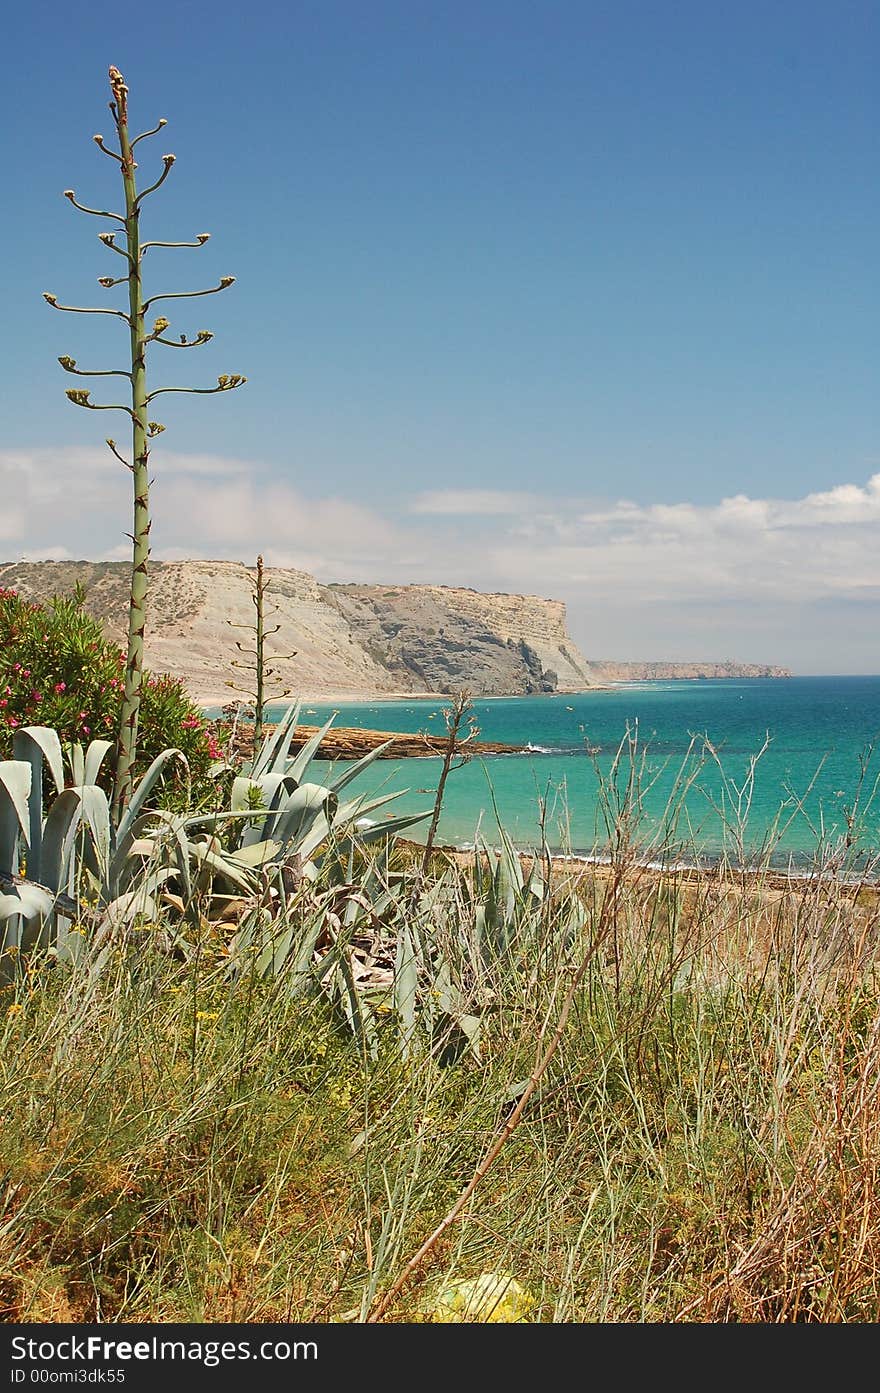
x=348 y=742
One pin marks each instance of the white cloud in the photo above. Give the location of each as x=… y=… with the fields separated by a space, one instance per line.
x=77 y=502
x=472 y=503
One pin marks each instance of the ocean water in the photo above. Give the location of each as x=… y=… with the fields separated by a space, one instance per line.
x=740 y=768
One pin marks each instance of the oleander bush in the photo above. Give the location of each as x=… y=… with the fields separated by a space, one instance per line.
x=58 y=669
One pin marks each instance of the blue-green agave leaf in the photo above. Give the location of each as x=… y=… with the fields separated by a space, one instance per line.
x=273 y=752
x=59 y=837
x=29 y=901
x=46 y=740
x=354 y=767
x=15 y=787
x=94 y=759
x=305 y=756
x=138 y=798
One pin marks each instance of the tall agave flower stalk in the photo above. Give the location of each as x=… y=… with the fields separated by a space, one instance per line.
x=143 y=429
x=261 y=671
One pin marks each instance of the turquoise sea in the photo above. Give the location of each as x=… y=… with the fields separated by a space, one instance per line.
x=725 y=767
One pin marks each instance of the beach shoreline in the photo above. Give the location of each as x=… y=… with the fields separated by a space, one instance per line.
x=211 y=699
x=725 y=876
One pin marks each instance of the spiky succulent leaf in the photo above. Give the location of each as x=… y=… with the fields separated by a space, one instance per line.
x=30 y=901
x=274 y=750
x=95 y=754
x=15 y=787
x=137 y=802
x=307 y=753
x=45 y=738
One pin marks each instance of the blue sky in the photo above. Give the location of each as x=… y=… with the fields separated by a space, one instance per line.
x=574 y=299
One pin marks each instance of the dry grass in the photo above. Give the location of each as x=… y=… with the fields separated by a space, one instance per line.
x=704 y=1145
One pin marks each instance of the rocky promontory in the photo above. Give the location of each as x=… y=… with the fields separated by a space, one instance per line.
x=336 y=641
x=678 y=672
x=438 y=638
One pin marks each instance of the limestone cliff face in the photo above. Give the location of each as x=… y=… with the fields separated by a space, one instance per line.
x=674 y=672
x=352 y=640
x=193 y=609
x=440 y=639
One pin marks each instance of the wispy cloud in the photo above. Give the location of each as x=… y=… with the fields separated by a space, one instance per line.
x=77 y=502
x=472 y=503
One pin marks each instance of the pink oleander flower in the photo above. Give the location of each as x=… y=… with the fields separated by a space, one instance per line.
x=86 y=730
x=60 y=687
x=36 y=696
x=3 y=701
x=16 y=667
x=13 y=722
x=26 y=672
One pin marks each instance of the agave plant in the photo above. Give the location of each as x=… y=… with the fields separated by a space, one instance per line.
x=385 y=945
x=279 y=827
x=277 y=830
x=71 y=861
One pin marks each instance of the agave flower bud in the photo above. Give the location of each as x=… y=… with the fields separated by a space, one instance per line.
x=107 y=238
x=78 y=395
x=107 y=281
x=161 y=324
x=154 y=428
x=226 y=282
x=202 y=238
x=204 y=336
x=168 y=159
x=68 y=364
x=50 y=299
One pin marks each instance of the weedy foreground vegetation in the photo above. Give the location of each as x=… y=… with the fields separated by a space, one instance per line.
x=223 y=1128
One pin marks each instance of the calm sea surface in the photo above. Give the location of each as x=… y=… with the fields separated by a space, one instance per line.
x=714 y=767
